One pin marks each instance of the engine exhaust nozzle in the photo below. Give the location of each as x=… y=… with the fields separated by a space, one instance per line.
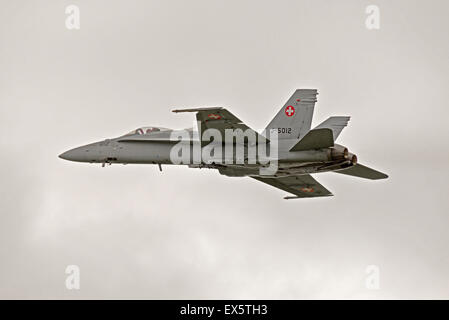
x=352 y=157
x=339 y=152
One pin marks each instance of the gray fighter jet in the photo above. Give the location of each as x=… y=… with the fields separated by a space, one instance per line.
x=300 y=150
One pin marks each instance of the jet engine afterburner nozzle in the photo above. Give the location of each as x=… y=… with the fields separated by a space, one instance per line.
x=339 y=152
x=352 y=157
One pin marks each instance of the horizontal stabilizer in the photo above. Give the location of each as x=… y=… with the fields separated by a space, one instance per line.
x=315 y=139
x=361 y=171
x=303 y=186
x=336 y=124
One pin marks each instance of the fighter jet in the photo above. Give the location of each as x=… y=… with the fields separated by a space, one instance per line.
x=300 y=150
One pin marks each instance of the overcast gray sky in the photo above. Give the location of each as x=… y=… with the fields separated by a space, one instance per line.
x=185 y=233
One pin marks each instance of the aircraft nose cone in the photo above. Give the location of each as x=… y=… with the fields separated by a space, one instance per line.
x=76 y=154
x=64 y=155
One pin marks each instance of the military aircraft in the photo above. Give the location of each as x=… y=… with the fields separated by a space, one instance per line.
x=301 y=150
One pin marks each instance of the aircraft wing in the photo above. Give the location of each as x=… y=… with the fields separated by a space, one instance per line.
x=303 y=186
x=218 y=118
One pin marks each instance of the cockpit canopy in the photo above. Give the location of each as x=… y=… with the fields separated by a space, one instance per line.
x=147 y=130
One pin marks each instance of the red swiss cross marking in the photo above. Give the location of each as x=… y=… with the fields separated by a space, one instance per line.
x=214 y=116
x=290 y=111
x=306 y=189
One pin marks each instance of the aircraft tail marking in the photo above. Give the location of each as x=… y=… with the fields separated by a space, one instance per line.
x=294 y=119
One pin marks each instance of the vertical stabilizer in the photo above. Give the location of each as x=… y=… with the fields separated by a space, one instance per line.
x=295 y=117
x=336 y=124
